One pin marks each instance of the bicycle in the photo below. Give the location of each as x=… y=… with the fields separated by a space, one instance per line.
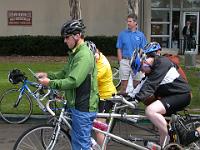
x=56 y=136
x=17 y=101
x=116 y=79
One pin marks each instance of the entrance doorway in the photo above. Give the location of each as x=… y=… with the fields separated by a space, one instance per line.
x=194 y=18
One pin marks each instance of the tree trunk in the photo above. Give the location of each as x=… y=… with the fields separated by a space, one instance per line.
x=75 y=9
x=132 y=6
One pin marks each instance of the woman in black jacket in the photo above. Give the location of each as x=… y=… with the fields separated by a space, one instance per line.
x=171 y=91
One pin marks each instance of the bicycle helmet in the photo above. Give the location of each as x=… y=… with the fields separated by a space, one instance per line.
x=72 y=27
x=135 y=62
x=91 y=46
x=151 y=47
x=15 y=76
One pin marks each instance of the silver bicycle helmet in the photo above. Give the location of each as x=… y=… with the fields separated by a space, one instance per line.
x=91 y=46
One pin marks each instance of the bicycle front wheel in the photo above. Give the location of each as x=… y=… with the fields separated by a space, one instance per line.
x=40 y=136
x=12 y=112
x=116 y=79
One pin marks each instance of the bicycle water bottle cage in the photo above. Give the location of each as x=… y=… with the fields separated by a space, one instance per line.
x=15 y=76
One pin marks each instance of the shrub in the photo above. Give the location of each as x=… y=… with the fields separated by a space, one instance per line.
x=49 y=45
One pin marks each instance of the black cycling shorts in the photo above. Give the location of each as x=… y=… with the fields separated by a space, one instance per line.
x=105 y=106
x=174 y=103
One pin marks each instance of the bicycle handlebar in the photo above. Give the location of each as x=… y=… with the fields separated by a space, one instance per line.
x=131 y=104
x=48 y=107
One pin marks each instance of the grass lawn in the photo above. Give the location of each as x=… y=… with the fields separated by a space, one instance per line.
x=5 y=67
x=193 y=75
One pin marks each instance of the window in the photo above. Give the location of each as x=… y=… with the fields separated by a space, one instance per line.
x=191 y=4
x=160 y=3
x=164 y=41
x=160 y=15
x=176 y=3
x=160 y=22
x=160 y=29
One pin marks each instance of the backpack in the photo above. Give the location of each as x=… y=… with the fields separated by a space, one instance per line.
x=175 y=60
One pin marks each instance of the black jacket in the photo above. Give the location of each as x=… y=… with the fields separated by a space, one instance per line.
x=185 y=30
x=163 y=80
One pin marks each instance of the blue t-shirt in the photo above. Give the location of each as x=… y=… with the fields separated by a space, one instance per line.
x=129 y=40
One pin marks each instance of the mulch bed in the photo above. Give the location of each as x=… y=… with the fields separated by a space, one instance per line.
x=32 y=59
x=39 y=58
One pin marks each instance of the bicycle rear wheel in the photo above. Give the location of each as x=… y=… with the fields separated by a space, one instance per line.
x=116 y=79
x=40 y=136
x=12 y=113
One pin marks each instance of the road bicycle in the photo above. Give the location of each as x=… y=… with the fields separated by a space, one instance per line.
x=57 y=136
x=116 y=79
x=16 y=105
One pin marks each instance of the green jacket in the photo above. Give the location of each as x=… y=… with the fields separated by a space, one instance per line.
x=78 y=79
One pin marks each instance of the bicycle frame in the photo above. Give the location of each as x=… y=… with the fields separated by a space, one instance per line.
x=34 y=94
x=66 y=119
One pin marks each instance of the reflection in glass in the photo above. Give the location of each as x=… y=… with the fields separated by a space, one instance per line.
x=176 y=3
x=159 y=29
x=191 y=3
x=160 y=3
x=164 y=41
x=160 y=15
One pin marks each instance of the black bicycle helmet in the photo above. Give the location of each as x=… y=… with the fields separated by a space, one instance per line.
x=72 y=27
x=91 y=46
x=15 y=76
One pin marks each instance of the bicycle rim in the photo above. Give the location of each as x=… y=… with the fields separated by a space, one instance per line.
x=39 y=137
x=116 y=79
x=12 y=114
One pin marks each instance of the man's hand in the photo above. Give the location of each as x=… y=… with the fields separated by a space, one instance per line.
x=44 y=81
x=41 y=75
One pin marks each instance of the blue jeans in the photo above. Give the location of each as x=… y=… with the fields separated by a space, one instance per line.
x=81 y=129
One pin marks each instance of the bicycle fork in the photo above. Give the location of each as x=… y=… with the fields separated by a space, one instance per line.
x=19 y=98
x=54 y=137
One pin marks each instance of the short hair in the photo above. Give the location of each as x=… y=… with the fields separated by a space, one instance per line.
x=133 y=16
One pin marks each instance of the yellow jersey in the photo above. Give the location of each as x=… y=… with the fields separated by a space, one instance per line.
x=104 y=77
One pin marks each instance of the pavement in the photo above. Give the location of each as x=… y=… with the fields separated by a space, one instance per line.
x=11 y=132
x=191 y=60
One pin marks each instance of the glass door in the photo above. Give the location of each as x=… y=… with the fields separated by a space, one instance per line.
x=193 y=17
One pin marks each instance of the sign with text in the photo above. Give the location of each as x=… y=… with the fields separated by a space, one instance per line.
x=19 y=17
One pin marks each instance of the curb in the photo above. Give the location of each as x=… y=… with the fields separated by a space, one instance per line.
x=34 y=119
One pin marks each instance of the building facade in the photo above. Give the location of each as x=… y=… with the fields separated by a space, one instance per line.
x=160 y=20
x=164 y=21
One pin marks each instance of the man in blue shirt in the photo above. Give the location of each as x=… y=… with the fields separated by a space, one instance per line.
x=129 y=40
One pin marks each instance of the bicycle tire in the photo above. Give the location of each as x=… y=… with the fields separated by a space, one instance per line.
x=38 y=137
x=116 y=79
x=12 y=114
x=173 y=146
x=192 y=124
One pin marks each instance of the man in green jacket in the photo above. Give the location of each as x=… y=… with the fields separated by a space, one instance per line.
x=78 y=79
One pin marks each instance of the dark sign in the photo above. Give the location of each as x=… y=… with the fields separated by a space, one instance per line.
x=19 y=17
